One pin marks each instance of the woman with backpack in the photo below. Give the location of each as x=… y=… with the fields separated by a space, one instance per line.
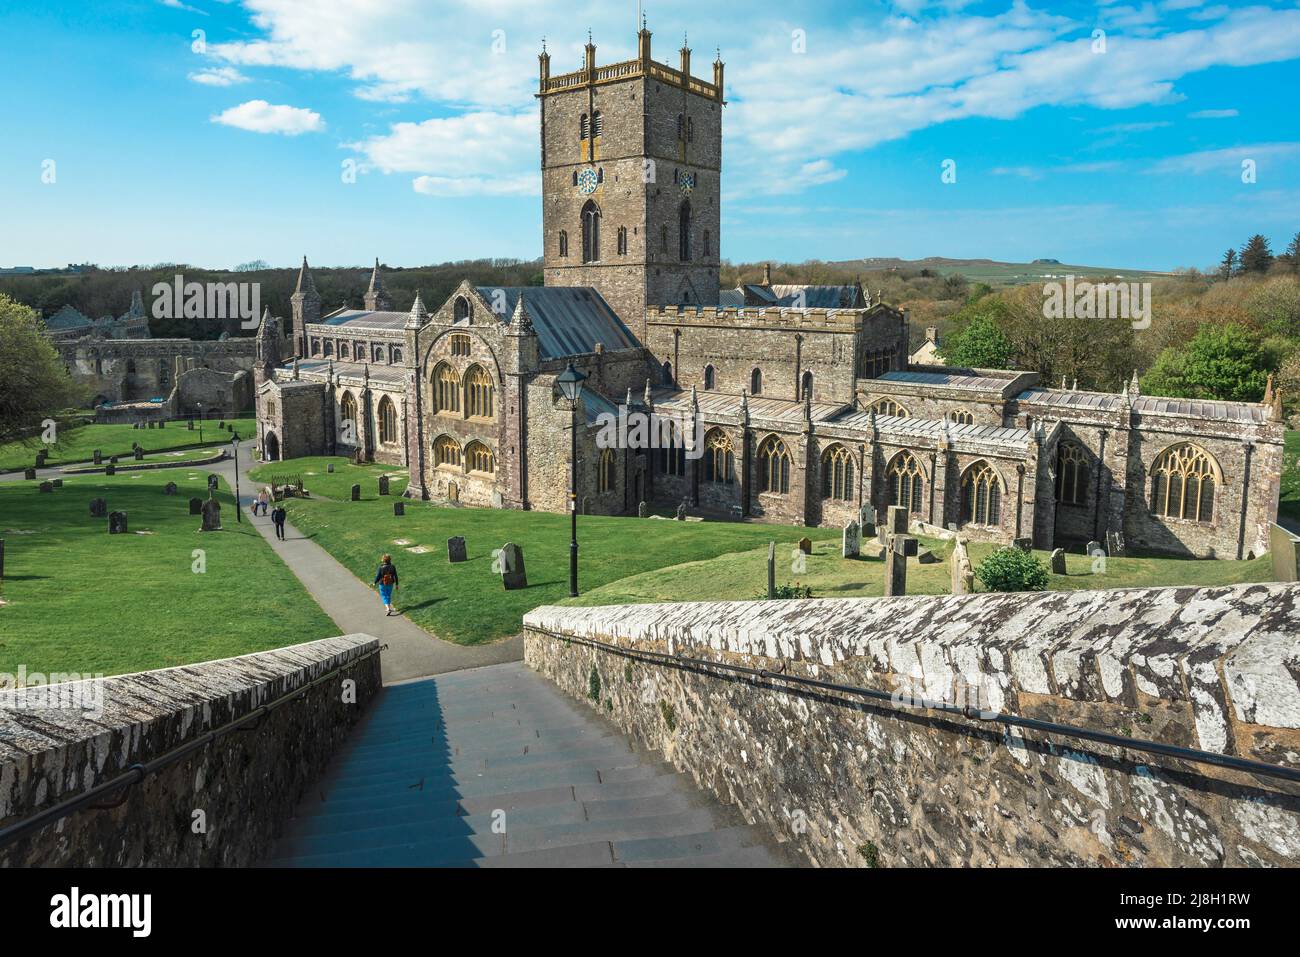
x=386 y=579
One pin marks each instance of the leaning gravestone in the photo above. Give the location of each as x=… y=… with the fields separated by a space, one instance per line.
x=98 y=508
x=399 y=508
x=851 y=543
x=117 y=523
x=383 y=485
x=45 y=487
x=513 y=573
x=456 y=549
x=356 y=493
x=642 y=510
x=211 y=515
x=926 y=557
x=805 y=545
x=29 y=474
x=196 y=506
x=169 y=488
x=1058 y=561
x=963 y=575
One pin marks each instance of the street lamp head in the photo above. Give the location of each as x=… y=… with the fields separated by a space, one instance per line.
x=570 y=383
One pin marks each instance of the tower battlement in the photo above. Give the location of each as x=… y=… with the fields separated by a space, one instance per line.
x=640 y=66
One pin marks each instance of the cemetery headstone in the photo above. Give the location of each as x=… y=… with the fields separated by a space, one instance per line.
x=771 y=569
x=110 y=469
x=453 y=492
x=356 y=493
x=681 y=511
x=221 y=425
x=41 y=456
x=898 y=520
x=190 y=425
x=456 y=549
x=926 y=557
x=98 y=508
x=169 y=488
x=851 y=541
x=513 y=574
x=196 y=506
x=1058 y=561
x=399 y=508
x=1094 y=548
x=1024 y=544
x=963 y=575
x=98 y=457
x=57 y=483
x=497 y=500
x=211 y=515
x=112 y=460
x=139 y=454
x=45 y=487
x=805 y=545
x=383 y=485
x=900 y=548
x=29 y=474
x=330 y=468
x=214 y=483
x=117 y=523
x=162 y=424
x=642 y=510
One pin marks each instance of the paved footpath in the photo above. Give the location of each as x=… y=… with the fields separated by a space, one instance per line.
x=355 y=607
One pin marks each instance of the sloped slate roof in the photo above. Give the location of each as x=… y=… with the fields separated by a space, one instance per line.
x=949 y=380
x=569 y=320
x=363 y=319
x=930 y=428
x=67 y=318
x=817 y=297
x=760 y=407
x=1069 y=399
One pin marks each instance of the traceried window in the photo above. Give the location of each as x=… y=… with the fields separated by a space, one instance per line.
x=889 y=407
x=348 y=415
x=605 y=473
x=1183 y=479
x=1071 y=474
x=590 y=232
x=906 y=482
x=710 y=378
x=773 y=466
x=460 y=344
x=672 y=453
x=446 y=389
x=961 y=417
x=387 y=420
x=478 y=393
x=837 y=474
x=719 y=458
x=981 y=495
x=446 y=451
x=479 y=458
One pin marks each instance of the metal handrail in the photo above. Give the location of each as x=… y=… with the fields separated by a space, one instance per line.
x=136 y=773
x=927 y=704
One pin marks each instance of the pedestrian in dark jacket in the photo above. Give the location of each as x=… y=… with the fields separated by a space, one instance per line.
x=278 y=515
x=386 y=579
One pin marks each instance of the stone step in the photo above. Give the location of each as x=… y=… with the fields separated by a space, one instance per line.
x=578 y=769
x=486 y=756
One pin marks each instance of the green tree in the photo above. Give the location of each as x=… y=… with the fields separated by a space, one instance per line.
x=1228 y=266
x=1256 y=257
x=1293 y=253
x=34 y=385
x=1220 y=362
x=979 y=342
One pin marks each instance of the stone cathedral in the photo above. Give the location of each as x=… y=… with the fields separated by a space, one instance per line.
x=798 y=403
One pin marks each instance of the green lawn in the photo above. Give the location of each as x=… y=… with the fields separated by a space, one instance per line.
x=81 y=600
x=1290 y=502
x=79 y=444
x=744 y=574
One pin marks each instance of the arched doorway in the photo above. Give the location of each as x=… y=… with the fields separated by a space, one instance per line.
x=270 y=448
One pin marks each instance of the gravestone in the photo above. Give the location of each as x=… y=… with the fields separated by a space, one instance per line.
x=681 y=511
x=453 y=492
x=1094 y=548
x=900 y=548
x=190 y=425
x=110 y=469
x=214 y=483
x=117 y=523
x=898 y=519
x=1115 y=544
x=963 y=575
x=98 y=508
x=211 y=513
x=41 y=456
x=497 y=500
x=196 y=506
x=456 y=549
x=57 y=483
x=162 y=425
x=112 y=460
x=513 y=573
x=221 y=425
x=1058 y=561
x=383 y=485
x=771 y=569
x=45 y=487
x=29 y=474
x=642 y=510
x=356 y=493
x=152 y=424
x=98 y=457
x=330 y=468
x=399 y=509
x=805 y=545
x=1024 y=544
x=139 y=454
x=851 y=541
x=135 y=425
x=169 y=488
x=926 y=557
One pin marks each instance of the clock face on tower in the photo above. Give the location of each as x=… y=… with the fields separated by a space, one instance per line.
x=686 y=182
x=587 y=182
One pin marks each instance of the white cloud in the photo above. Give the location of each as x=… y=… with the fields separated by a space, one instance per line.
x=177 y=5
x=1212 y=114
x=1224 y=160
x=218 y=76
x=259 y=116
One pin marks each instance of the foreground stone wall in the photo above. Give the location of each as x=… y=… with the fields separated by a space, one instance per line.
x=246 y=784
x=854 y=783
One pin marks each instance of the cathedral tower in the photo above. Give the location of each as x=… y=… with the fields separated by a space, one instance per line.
x=305 y=302
x=631 y=162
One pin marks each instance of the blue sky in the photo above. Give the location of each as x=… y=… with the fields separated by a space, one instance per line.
x=1100 y=134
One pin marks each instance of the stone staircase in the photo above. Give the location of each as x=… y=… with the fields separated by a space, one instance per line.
x=494 y=767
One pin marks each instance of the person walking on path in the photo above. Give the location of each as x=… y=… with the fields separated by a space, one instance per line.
x=262 y=499
x=278 y=515
x=386 y=579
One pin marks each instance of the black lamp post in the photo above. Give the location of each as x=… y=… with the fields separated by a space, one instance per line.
x=570 y=383
x=239 y=512
x=199 y=405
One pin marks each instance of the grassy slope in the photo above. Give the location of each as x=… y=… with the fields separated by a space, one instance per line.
x=744 y=575
x=1290 y=502
x=78 y=445
x=82 y=600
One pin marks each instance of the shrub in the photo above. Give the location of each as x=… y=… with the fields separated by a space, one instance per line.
x=1012 y=569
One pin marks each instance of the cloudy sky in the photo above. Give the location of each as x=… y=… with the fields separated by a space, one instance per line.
x=217 y=132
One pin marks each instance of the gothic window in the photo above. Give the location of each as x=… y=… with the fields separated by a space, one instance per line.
x=329 y=349
x=773 y=466
x=446 y=389
x=460 y=309
x=344 y=352
x=377 y=353
x=961 y=417
x=605 y=474
x=981 y=495
x=705 y=246
x=806 y=386
x=668 y=373
x=315 y=350
x=672 y=453
x=597 y=124
x=479 y=458
x=906 y=482
x=348 y=415
x=387 y=420
x=564 y=243
x=1183 y=478
x=719 y=458
x=684 y=231
x=889 y=407
x=600 y=175
x=622 y=240
x=1071 y=474
x=584 y=127
x=590 y=232
x=709 y=378
x=459 y=344
x=396 y=354
x=690 y=130
x=756 y=382
x=681 y=127
x=478 y=393
x=446 y=451
x=837 y=474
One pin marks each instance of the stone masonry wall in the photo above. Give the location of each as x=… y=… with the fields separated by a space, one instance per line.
x=247 y=783
x=851 y=782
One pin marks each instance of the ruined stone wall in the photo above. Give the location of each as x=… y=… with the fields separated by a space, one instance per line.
x=247 y=783
x=851 y=783
x=120 y=370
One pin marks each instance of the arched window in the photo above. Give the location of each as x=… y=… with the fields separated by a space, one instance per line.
x=756 y=382
x=348 y=416
x=805 y=386
x=889 y=407
x=705 y=247
x=672 y=453
x=479 y=458
x=606 y=471
x=597 y=124
x=684 y=231
x=690 y=130
x=837 y=474
x=564 y=243
x=387 y=420
x=773 y=466
x=961 y=417
x=478 y=393
x=622 y=240
x=590 y=232
x=460 y=309
x=344 y=351
x=906 y=482
x=1183 y=478
x=681 y=127
x=584 y=127
x=446 y=452
x=396 y=354
x=1071 y=474
x=329 y=348
x=315 y=350
x=446 y=389
x=719 y=458
x=668 y=373
x=460 y=344
x=981 y=495
x=709 y=378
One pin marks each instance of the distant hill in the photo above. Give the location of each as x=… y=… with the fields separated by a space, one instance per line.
x=993 y=272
